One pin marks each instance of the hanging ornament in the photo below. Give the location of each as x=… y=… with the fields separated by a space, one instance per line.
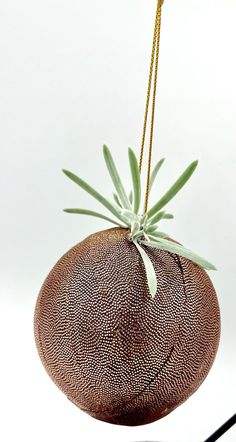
x=127 y=322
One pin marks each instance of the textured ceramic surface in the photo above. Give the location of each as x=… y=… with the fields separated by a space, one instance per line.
x=116 y=353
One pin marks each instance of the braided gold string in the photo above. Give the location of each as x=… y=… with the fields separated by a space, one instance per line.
x=149 y=89
x=154 y=57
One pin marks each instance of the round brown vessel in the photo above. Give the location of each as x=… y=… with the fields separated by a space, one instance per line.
x=119 y=355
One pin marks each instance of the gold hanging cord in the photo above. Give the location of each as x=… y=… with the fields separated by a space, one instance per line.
x=154 y=59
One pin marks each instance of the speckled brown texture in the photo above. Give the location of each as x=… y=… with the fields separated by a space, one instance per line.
x=116 y=353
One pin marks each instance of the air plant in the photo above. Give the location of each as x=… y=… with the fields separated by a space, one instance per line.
x=143 y=226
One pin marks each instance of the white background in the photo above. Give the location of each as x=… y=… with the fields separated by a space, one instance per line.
x=73 y=76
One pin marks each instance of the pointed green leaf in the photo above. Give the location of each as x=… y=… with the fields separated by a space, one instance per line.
x=135 y=226
x=153 y=177
x=151 y=229
x=150 y=272
x=173 y=190
x=169 y=246
x=92 y=213
x=115 y=178
x=134 y=168
x=168 y=216
x=157 y=234
x=144 y=219
x=85 y=186
x=157 y=218
x=129 y=214
x=155 y=172
x=116 y=199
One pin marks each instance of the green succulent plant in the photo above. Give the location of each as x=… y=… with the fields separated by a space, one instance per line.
x=143 y=226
